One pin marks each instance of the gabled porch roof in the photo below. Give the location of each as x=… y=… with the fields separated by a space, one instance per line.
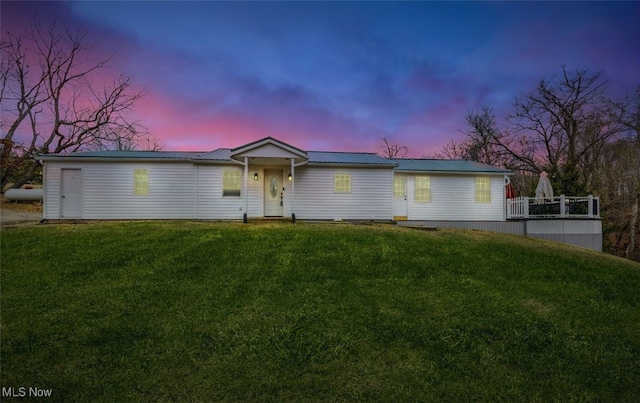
x=269 y=151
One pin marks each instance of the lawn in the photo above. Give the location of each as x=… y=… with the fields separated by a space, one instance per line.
x=193 y=311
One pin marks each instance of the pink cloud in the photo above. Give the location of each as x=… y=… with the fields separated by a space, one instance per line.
x=178 y=126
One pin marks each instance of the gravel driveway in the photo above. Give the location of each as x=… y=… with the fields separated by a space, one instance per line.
x=9 y=217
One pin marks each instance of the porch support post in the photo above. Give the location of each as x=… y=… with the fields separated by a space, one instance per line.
x=293 y=191
x=245 y=189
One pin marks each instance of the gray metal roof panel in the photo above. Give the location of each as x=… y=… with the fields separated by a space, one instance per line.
x=431 y=165
x=315 y=157
x=328 y=157
x=221 y=154
x=186 y=155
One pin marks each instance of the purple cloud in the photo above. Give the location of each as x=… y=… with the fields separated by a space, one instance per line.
x=339 y=76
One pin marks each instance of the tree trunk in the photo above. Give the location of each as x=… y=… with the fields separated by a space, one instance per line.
x=633 y=222
x=31 y=172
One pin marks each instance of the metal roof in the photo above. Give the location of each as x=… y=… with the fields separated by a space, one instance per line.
x=221 y=154
x=431 y=165
x=315 y=157
x=185 y=155
x=327 y=157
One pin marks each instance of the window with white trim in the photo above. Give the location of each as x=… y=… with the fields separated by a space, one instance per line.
x=141 y=182
x=423 y=189
x=483 y=189
x=231 y=183
x=342 y=183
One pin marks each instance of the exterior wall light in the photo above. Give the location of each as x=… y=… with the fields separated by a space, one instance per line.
x=255 y=176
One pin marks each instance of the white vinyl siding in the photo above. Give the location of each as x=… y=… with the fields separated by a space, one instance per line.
x=423 y=189
x=181 y=190
x=141 y=182
x=342 y=183
x=52 y=180
x=453 y=198
x=232 y=183
x=108 y=190
x=212 y=205
x=370 y=197
x=483 y=189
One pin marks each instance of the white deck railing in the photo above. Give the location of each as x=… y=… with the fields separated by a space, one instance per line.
x=556 y=207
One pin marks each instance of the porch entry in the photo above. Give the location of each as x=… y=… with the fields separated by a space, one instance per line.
x=71 y=194
x=273 y=193
x=400 y=197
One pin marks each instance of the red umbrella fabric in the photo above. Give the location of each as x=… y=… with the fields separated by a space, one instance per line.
x=510 y=191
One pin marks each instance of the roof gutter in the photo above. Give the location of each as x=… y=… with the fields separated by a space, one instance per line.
x=410 y=171
x=108 y=159
x=354 y=165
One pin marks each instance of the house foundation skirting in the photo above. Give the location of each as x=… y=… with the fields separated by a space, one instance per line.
x=586 y=233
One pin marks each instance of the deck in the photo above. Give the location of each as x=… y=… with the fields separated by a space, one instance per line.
x=557 y=207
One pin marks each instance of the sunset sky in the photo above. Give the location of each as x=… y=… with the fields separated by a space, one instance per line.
x=341 y=75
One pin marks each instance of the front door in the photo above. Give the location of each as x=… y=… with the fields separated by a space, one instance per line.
x=273 y=193
x=399 y=197
x=71 y=194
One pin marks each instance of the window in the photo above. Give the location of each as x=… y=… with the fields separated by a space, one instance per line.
x=398 y=187
x=342 y=184
x=423 y=189
x=231 y=183
x=483 y=190
x=141 y=182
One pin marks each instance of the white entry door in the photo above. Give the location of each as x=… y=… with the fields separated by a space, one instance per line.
x=400 y=197
x=273 y=193
x=71 y=194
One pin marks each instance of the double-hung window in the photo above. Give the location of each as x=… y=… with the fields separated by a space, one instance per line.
x=231 y=183
x=423 y=189
x=141 y=182
x=342 y=183
x=483 y=189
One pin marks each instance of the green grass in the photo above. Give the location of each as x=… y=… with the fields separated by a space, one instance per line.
x=183 y=311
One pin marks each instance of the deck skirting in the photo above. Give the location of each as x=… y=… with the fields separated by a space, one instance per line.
x=586 y=233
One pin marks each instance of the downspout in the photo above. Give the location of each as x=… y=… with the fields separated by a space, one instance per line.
x=505 y=205
x=244 y=186
x=293 y=191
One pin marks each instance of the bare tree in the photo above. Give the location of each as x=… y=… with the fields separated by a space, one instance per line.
x=560 y=124
x=619 y=180
x=560 y=127
x=453 y=150
x=125 y=139
x=620 y=195
x=588 y=143
x=628 y=111
x=393 y=150
x=484 y=142
x=54 y=100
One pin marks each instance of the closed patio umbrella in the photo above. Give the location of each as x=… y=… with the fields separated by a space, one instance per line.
x=544 y=189
x=509 y=191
